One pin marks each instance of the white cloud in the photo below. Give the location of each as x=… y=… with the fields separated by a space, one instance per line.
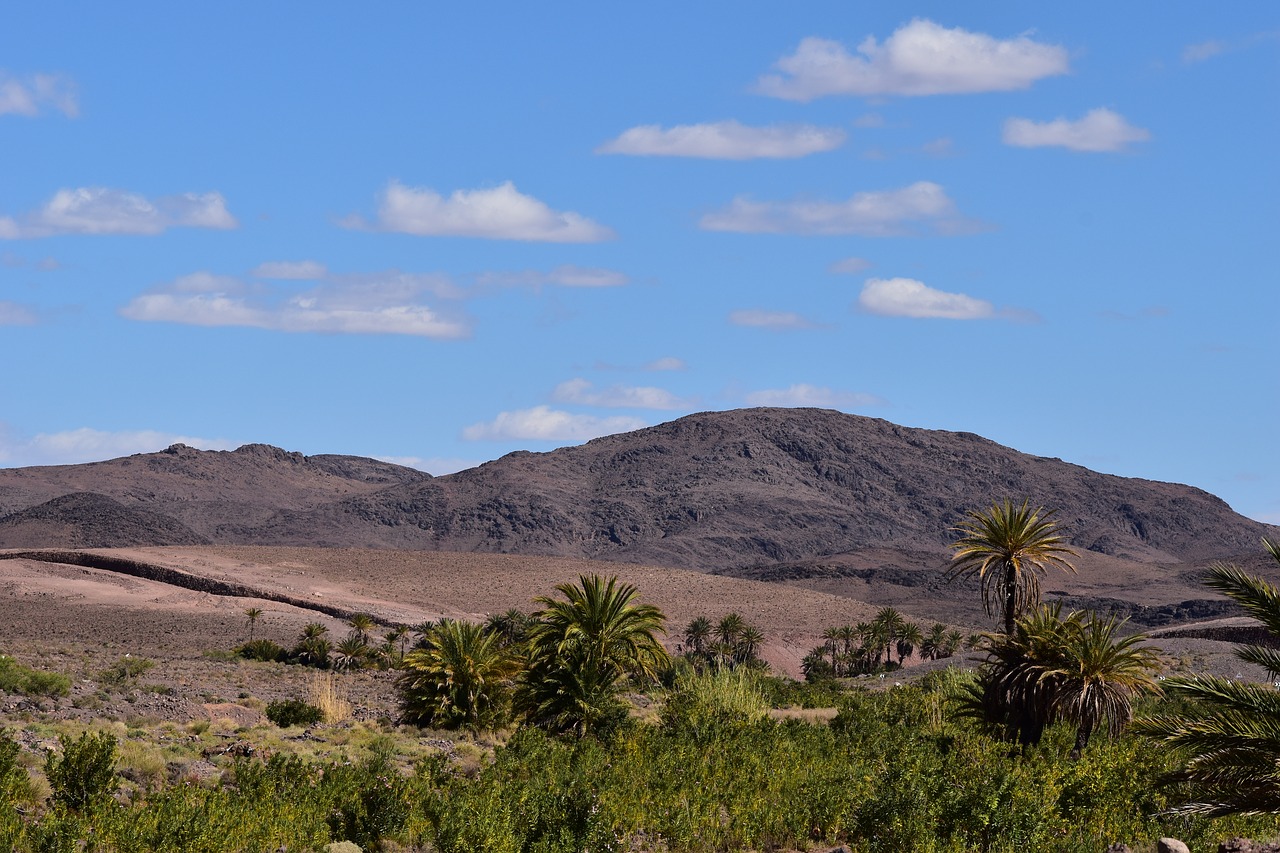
x=100 y=210
x=882 y=213
x=29 y=95
x=1202 y=51
x=436 y=466
x=906 y=297
x=501 y=213
x=943 y=146
x=387 y=304
x=757 y=318
x=850 y=266
x=90 y=445
x=291 y=270
x=920 y=58
x=802 y=395
x=1099 y=130
x=669 y=362
x=869 y=120
x=565 y=275
x=13 y=314
x=582 y=392
x=725 y=140
x=542 y=423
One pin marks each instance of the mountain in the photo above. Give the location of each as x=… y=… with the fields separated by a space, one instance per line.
x=723 y=491
x=203 y=491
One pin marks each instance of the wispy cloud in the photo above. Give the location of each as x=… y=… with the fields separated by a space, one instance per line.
x=1099 y=130
x=777 y=320
x=584 y=393
x=565 y=275
x=919 y=58
x=100 y=210
x=388 y=303
x=803 y=395
x=725 y=140
x=1206 y=50
x=32 y=94
x=90 y=445
x=669 y=362
x=298 y=270
x=850 y=266
x=883 y=213
x=500 y=213
x=906 y=297
x=13 y=314
x=542 y=423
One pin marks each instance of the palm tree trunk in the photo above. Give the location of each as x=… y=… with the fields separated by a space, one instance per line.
x=1010 y=596
x=1082 y=740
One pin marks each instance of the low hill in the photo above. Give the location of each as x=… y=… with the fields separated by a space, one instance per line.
x=87 y=520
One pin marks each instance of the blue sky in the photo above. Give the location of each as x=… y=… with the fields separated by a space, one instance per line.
x=436 y=234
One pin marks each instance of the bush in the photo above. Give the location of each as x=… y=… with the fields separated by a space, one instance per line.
x=85 y=774
x=263 y=650
x=125 y=671
x=16 y=678
x=293 y=712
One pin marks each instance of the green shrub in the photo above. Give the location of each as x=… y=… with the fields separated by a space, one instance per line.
x=16 y=678
x=701 y=701
x=125 y=671
x=263 y=650
x=293 y=712
x=85 y=774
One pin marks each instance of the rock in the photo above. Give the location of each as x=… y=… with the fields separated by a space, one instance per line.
x=1171 y=845
x=1244 y=845
x=341 y=847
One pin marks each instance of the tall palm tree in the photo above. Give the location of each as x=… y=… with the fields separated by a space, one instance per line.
x=253 y=614
x=890 y=623
x=1007 y=546
x=750 y=639
x=1234 y=745
x=362 y=625
x=910 y=637
x=729 y=627
x=581 y=646
x=459 y=677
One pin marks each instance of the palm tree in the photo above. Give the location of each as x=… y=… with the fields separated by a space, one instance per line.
x=1006 y=547
x=362 y=625
x=696 y=636
x=350 y=653
x=889 y=624
x=253 y=614
x=750 y=639
x=1051 y=668
x=909 y=638
x=729 y=627
x=935 y=641
x=312 y=648
x=459 y=677
x=510 y=626
x=581 y=646
x=1234 y=745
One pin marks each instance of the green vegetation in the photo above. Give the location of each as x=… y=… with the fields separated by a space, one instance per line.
x=16 y=678
x=1007 y=547
x=1232 y=741
x=293 y=712
x=458 y=677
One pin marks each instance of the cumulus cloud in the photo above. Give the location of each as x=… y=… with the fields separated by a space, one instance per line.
x=500 y=213
x=906 y=297
x=542 y=423
x=759 y=319
x=390 y=303
x=100 y=210
x=1099 y=130
x=91 y=445
x=803 y=395
x=32 y=94
x=919 y=58
x=850 y=266
x=883 y=213
x=565 y=275
x=725 y=140
x=582 y=392
x=304 y=270
x=13 y=314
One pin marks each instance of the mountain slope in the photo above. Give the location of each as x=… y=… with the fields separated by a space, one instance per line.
x=756 y=486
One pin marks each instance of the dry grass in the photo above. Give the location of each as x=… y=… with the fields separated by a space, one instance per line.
x=328 y=695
